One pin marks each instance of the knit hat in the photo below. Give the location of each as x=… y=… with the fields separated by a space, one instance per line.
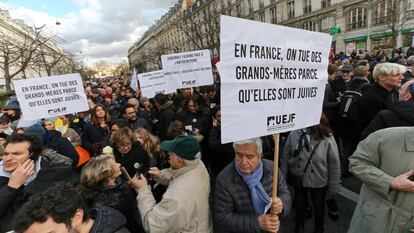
x=185 y=147
x=12 y=104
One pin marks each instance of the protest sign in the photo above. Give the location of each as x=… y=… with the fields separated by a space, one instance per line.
x=272 y=78
x=189 y=69
x=51 y=96
x=153 y=83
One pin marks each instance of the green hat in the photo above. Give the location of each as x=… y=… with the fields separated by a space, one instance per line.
x=185 y=147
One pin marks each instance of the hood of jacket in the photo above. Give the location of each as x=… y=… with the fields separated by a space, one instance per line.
x=107 y=220
x=404 y=110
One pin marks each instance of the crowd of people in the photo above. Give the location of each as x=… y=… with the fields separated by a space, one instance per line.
x=133 y=164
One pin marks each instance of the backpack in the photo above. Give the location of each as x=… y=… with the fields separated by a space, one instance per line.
x=349 y=104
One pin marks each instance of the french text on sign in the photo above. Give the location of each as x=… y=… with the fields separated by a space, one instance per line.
x=51 y=96
x=270 y=83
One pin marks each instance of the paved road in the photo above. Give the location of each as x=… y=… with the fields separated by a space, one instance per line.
x=347 y=200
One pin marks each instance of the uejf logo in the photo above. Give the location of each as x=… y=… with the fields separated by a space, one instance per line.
x=56 y=111
x=279 y=122
x=186 y=83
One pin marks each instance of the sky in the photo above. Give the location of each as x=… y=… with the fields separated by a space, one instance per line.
x=93 y=30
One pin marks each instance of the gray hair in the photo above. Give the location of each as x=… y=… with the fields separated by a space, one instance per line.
x=194 y=161
x=387 y=68
x=256 y=141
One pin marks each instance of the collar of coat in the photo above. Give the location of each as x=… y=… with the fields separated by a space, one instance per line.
x=181 y=171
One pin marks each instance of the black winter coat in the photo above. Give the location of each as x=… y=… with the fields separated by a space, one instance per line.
x=108 y=220
x=166 y=116
x=12 y=199
x=233 y=208
x=398 y=114
x=120 y=197
x=339 y=86
x=347 y=128
x=95 y=138
x=198 y=120
x=137 y=154
x=221 y=154
x=374 y=100
x=53 y=139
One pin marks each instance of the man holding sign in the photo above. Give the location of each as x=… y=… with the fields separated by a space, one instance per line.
x=242 y=195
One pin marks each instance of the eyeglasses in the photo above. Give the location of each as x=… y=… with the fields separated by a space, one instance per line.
x=123 y=145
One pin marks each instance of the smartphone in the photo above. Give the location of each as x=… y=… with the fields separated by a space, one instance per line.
x=31 y=156
x=125 y=173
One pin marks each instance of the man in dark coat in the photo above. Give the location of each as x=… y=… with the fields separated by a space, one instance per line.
x=339 y=85
x=62 y=209
x=129 y=114
x=167 y=114
x=348 y=132
x=22 y=173
x=388 y=78
x=398 y=114
x=243 y=190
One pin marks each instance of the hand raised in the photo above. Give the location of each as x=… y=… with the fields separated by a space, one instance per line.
x=21 y=174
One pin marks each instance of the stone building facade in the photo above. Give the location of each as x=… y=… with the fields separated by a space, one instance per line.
x=194 y=24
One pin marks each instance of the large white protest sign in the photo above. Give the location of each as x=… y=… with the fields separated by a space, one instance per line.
x=189 y=69
x=153 y=83
x=50 y=96
x=272 y=78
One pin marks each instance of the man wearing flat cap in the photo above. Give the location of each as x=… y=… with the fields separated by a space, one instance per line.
x=339 y=85
x=184 y=207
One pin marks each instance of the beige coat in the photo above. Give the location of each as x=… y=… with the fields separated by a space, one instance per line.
x=184 y=206
x=382 y=156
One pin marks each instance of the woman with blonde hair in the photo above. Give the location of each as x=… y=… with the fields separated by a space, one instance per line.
x=101 y=185
x=151 y=145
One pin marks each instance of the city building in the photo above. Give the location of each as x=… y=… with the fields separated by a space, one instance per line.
x=27 y=52
x=354 y=25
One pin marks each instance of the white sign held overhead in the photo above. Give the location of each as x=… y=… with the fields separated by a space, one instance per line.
x=153 y=83
x=189 y=69
x=50 y=96
x=270 y=83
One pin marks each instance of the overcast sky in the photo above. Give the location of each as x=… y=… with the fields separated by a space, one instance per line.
x=92 y=29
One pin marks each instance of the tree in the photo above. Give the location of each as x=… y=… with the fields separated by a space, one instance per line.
x=396 y=17
x=202 y=27
x=122 y=68
x=16 y=54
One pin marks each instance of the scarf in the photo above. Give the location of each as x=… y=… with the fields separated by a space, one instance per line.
x=36 y=171
x=260 y=199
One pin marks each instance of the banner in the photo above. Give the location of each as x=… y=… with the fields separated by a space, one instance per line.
x=189 y=69
x=272 y=78
x=153 y=83
x=50 y=96
x=134 y=80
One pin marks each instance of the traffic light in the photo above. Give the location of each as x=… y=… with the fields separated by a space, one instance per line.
x=335 y=30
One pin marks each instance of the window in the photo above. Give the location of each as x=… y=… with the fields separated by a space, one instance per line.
x=326 y=3
x=310 y=26
x=356 y=19
x=291 y=9
x=410 y=8
x=383 y=12
x=327 y=24
x=262 y=16
x=307 y=6
x=238 y=10
x=250 y=4
x=274 y=16
x=261 y=4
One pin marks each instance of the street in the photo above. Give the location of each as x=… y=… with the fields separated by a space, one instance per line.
x=346 y=200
